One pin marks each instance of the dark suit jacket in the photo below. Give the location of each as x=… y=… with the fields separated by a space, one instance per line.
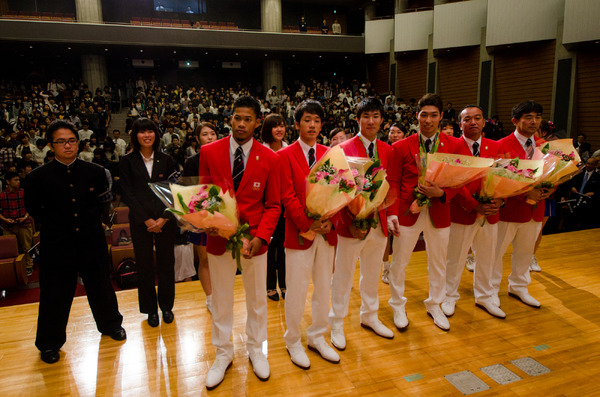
x=143 y=203
x=592 y=185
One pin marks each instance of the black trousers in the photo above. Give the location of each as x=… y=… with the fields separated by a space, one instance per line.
x=143 y=244
x=276 y=257
x=57 y=288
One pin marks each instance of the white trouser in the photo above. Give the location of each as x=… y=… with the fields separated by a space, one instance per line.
x=436 y=243
x=523 y=237
x=299 y=266
x=483 y=240
x=222 y=277
x=349 y=251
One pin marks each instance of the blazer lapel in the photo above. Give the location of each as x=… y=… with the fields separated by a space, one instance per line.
x=251 y=164
x=142 y=166
x=413 y=144
x=516 y=147
x=301 y=159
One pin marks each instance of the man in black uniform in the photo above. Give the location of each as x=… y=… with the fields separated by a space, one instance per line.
x=66 y=197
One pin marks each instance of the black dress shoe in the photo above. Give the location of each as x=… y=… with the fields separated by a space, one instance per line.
x=50 y=356
x=273 y=295
x=118 y=335
x=168 y=317
x=153 y=319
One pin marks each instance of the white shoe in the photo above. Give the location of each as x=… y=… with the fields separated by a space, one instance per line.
x=491 y=309
x=439 y=319
x=338 y=339
x=384 y=276
x=217 y=372
x=496 y=300
x=400 y=319
x=209 y=305
x=298 y=356
x=533 y=266
x=260 y=365
x=378 y=327
x=525 y=298
x=448 y=308
x=325 y=351
x=470 y=262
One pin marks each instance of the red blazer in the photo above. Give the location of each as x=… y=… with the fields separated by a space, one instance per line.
x=516 y=209
x=294 y=170
x=258 y=195
x=403 y=178
x=462 y=206
x=354 y=147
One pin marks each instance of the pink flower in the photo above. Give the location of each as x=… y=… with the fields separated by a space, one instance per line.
x=511 y=168
x=354 y=172
x=205 y=204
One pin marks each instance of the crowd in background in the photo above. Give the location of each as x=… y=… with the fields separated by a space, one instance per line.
x=26 y=110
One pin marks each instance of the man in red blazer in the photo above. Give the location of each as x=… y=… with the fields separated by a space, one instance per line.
x=353 y=243
x=433 y=221
x=305 y=257
x=474 y=224
x=520 y=222
x=258 y=196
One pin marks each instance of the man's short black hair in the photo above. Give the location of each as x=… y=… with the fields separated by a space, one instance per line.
x=467 y=107
x=526 y=107
x=10 y=175
x=369 y=104
x=309 y=106
x=60 y=124
x=430 y=100
x=247 y=101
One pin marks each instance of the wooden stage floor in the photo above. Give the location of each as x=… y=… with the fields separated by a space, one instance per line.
x=172 y=360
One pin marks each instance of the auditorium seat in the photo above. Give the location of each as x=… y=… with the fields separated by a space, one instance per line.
x=156 y=22
x=11 y=15
x=46 y=16
x=57 y=16
x=121 y=215
x=146 y=22
x=136 y=21
x=119 y=251
x=13 y=270
x=165 y=23
x=176 y=23
x=204 y=25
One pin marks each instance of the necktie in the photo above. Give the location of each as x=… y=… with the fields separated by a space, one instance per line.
x=311 y=157
x=238 y=167
x=371 y=151
x=428 y=145
x=475 y=149
x=529 y=148
x=583 y=183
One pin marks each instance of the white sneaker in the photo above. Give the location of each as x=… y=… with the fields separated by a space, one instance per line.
x=400 y=319
x=209 y=305
x=448 y=308
x=325 y=351
x=378 y=327
x=217 y=372
x=384 y=276
x=470 y=262
x=525 y=298
x=260 y=365
x=533 y=266
x=298 y=356
x=338 y=339
x=439 y=319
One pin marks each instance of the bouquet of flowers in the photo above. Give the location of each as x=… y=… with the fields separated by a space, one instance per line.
x=205 y=206
x=330 y=186
x=448 y=170
x=509 y=178
x=370 y=178
x=562 y=160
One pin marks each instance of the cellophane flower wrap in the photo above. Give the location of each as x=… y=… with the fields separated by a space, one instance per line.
x=449 y=170
x=372 y=190
x=204 y=203
x=510 y=177
x=330 y=187
x=566 y=162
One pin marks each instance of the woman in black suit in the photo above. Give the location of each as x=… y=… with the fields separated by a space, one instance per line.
x=150 y=225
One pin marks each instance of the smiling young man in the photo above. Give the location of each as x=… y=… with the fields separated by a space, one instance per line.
x=304 y=257
x=469 y=231
x=433 y=221
x=252 y=170
x=354 y=243
x=520 y=222
x=66 y=197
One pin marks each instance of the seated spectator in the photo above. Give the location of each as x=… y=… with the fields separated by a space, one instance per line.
x=324 y=27
x=336 y=28
x=337 y=136
x=85 y=152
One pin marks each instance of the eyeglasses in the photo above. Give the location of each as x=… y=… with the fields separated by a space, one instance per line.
x=63 y=142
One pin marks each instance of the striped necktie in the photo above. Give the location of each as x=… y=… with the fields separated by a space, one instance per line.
x=311 y=157
x=529 y=148
x=475 y=149
x=238 y=167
